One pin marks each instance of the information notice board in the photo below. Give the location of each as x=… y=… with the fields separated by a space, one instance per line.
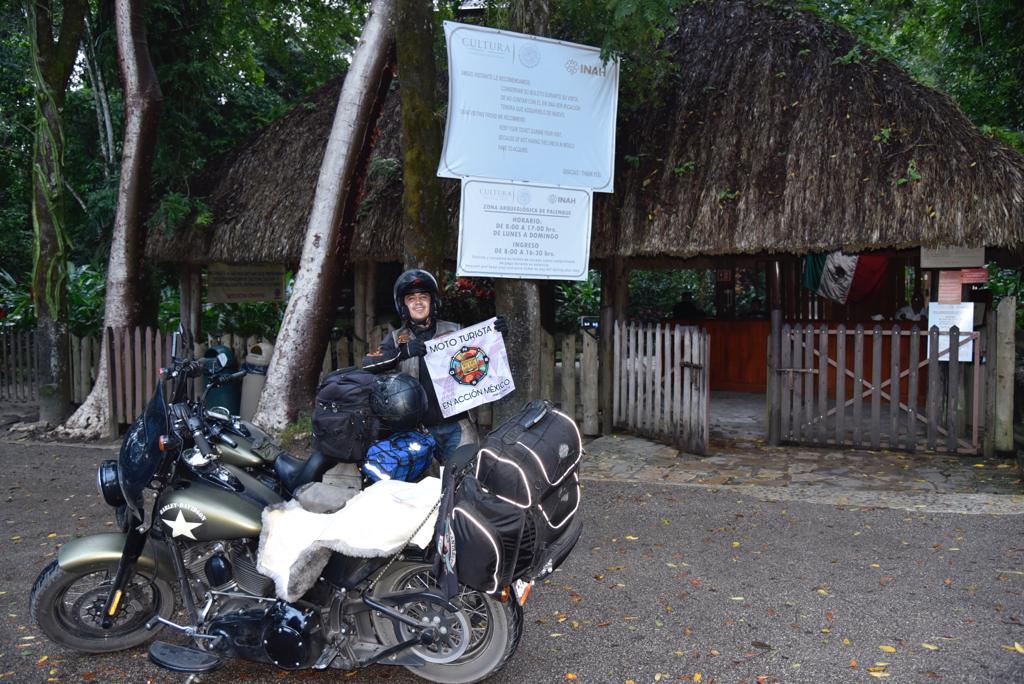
x=528 y=108
x=522 y=229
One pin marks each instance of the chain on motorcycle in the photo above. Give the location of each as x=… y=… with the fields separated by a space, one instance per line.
x=407 y=542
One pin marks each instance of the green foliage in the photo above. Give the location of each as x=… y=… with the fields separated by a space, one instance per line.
x=652 y=294
x=883 y=136
x=86 y=290
x=387 y=169
x=577 y=298
x=728 y=196
x=16 y=310
x=854 y=56
x=1008 y=282
x=684 y=168
x=634 y=31
x=912 y=174
x=16 y=113
x=177 y=210
x=87 y=287
x=262 y=319
x=970 y=50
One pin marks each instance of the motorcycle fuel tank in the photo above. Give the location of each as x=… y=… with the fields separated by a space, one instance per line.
x=202 y=511
x=254 y=448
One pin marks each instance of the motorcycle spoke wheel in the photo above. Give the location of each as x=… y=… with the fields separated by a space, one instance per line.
x=68 y=606
x=494 y=628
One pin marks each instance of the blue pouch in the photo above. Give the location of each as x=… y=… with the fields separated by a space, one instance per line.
x=402 y=456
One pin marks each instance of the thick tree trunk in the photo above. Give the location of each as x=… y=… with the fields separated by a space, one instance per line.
x=52 y=62
x=519 y=300
x=142 y=102
x=425 y=221
x=307 y=319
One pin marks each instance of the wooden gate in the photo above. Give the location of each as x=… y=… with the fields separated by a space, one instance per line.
x=878 y=388
x=661 y=383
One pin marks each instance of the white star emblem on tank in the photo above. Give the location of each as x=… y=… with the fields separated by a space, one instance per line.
x=180 y=526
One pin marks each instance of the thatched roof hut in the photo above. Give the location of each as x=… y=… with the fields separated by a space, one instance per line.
x=778 y=134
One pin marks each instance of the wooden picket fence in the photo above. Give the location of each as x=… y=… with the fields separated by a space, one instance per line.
x=661 y=384
x=19 y=364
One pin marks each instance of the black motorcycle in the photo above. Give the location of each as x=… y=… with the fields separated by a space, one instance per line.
x=191 y=521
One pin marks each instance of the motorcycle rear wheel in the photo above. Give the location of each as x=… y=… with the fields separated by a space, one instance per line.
x=68 y=607
x=495 y=626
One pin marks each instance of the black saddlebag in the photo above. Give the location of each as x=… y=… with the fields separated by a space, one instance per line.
x=343 y=424
x=514 y=511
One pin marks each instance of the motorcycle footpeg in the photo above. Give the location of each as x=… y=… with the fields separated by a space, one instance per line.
x=183 y=658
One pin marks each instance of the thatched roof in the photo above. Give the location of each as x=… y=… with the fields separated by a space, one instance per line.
x=773 y=137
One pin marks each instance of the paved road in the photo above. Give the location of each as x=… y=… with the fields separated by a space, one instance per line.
x=667 y=582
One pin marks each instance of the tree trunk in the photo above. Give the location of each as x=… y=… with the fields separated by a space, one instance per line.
x=142 y=102
x=307 y=319
x=519 y=300
x=52 y=62
x=425 y=220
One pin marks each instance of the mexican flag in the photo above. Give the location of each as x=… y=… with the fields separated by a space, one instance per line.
x=843 y=277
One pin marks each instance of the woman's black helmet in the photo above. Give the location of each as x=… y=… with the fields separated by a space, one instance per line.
x=416 y=280
x=399 y=401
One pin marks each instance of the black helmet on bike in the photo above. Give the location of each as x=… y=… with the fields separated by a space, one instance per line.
x=416 y=280
x=399 y=401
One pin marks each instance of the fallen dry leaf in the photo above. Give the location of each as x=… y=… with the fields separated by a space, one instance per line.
x=853 y=663
x=931 y=647
x=887 y=648
x=630 y=537
x=879 y=675
x=571 y=676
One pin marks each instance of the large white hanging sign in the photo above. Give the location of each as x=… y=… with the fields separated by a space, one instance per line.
x=523 y=230
x=469 y=368
x=527 y=108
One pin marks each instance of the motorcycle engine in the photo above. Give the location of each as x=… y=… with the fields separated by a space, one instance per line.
x=293 y=638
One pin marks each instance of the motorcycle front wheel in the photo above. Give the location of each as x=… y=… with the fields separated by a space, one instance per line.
x=492 y=638
x=68 y=607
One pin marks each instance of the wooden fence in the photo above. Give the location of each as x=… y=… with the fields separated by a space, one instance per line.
x=878 y=388
x=661 y=386
x=19 y=363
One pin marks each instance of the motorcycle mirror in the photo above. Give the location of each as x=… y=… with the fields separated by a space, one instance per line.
x=222 y=360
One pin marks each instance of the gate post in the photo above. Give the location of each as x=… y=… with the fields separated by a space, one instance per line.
x=773 y=398
x=1003 y=387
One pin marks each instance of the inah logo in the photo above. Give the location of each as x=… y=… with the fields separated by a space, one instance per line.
x=572 y=66
x=469 y=366
x=529 y=56
x=593 y=70
x=552 y=198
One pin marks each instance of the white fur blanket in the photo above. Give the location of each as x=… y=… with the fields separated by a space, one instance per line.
x=295 y=544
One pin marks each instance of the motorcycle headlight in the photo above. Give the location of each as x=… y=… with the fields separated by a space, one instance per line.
x=107 y=484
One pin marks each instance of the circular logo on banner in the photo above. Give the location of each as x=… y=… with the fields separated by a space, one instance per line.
x=469 y=366
x=529 y=56
x=572 y=66
x=523 y=197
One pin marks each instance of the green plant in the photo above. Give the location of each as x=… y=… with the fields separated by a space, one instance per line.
x=297 y=433
x=728 y=196
x=1007 y=282
x=883 y=135
x=632 y=159
x=575 y=299
x=653 y=294
x=175 y=209
x=87 y=287
x=912 y=174
x=685 y=168
x=16 y=312
x=387 y=169
x=854 y=56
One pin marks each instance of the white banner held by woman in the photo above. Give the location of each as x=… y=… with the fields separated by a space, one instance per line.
x=469 y=368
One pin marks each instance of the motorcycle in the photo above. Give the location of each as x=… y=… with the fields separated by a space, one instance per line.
x=190 y=485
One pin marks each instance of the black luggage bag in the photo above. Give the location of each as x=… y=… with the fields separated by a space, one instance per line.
x=343 y=424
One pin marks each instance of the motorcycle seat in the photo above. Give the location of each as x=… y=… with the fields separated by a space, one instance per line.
x=294 y=472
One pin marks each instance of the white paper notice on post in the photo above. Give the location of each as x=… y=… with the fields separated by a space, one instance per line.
x=469 y=368
x=946 y=317
x=527 y=108
x=523 y=230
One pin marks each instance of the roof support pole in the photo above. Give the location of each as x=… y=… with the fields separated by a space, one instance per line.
x=1004 y=357
x=614 y=292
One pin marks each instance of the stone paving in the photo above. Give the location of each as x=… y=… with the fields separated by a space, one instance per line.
x=885 y=479
x=737 y=459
